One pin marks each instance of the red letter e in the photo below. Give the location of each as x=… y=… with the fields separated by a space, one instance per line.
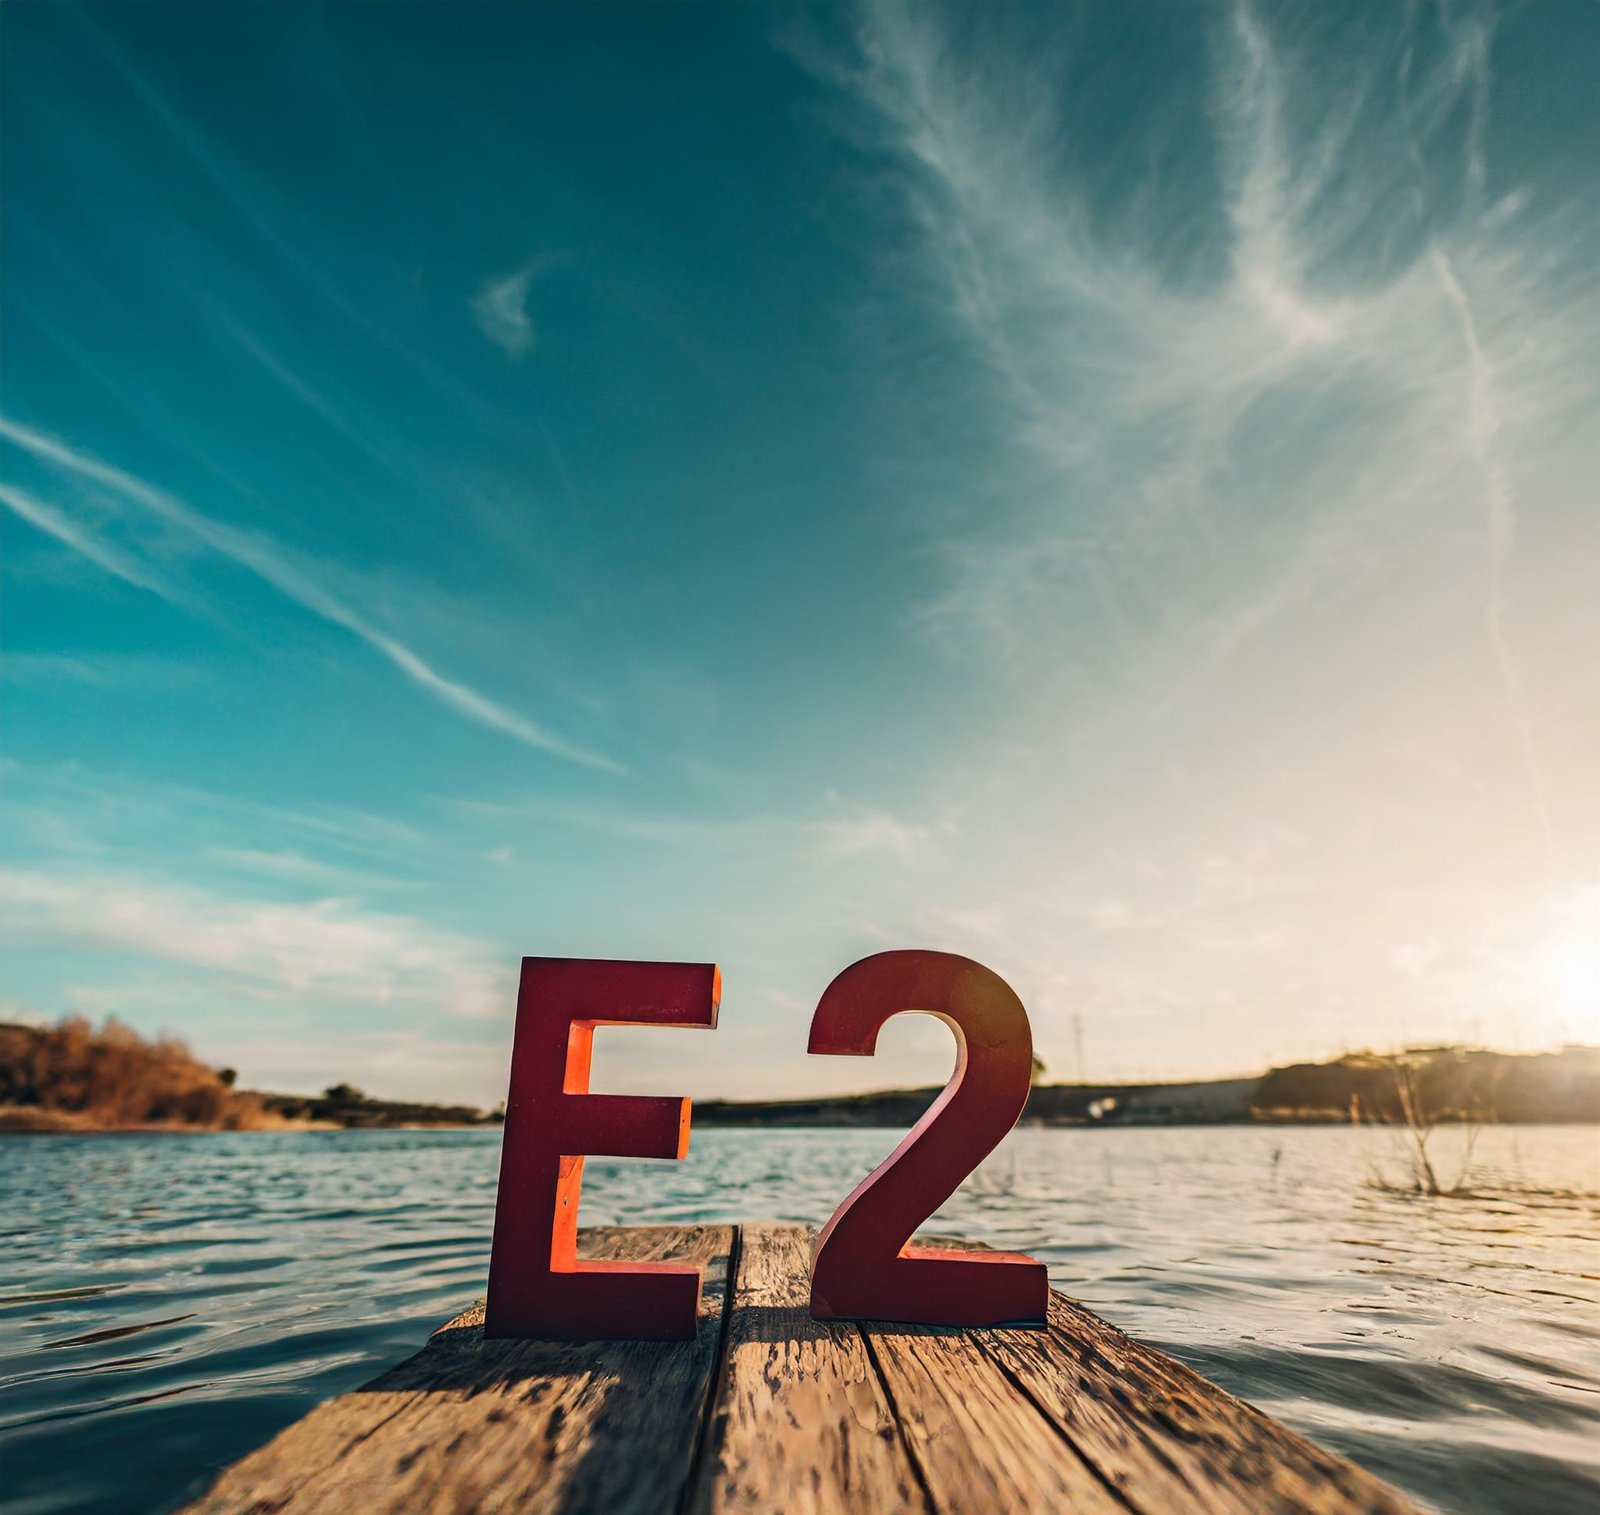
x=537 y=1286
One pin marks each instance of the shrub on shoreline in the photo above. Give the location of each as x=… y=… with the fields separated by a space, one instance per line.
x=71 y=1076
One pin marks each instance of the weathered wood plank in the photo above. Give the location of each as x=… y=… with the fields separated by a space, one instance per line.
x=1168 y=1439
x=980 y=1445
x=801 y=1422
x=769 y=1410
x=507 y=1425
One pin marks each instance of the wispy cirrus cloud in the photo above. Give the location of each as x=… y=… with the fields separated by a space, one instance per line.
x=71 y=810
x=1208 y=427
x=1128 y=378
x=255 y=552
x=72 y=533
x=297 y=868
x=854 y=834
x=107 y=670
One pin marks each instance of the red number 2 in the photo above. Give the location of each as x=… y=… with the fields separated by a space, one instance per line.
x=864 y=1267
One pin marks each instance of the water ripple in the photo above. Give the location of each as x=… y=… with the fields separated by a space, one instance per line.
x=1451 y=1346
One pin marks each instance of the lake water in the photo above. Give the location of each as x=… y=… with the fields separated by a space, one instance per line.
x=169 y=1302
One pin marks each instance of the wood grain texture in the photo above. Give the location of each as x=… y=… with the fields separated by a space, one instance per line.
x=507 y=1425
x=1168 y=1439
x=769 y=1410
x=979 y=1444
x=801 y=1423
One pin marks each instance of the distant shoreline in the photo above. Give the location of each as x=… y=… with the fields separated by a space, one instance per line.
x=71 y=1079
x=1458 y=1084
x=35 y=1121
x=41 y=1123
x=298 y=1128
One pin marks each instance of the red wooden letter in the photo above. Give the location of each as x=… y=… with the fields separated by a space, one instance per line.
x=864 y=1267
x=537 y=1286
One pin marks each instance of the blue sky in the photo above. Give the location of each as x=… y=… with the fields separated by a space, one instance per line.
x=1109 y=490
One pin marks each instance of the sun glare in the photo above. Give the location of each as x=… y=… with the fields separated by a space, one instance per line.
x=1570 y=973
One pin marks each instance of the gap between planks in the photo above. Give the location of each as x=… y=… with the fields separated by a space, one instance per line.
x=719 y=1372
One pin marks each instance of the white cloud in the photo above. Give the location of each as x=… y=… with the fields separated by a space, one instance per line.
x=500 y=308
x=875 y=833
x=329 y=948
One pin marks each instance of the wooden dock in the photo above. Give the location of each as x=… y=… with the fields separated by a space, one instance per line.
x=773 y=1413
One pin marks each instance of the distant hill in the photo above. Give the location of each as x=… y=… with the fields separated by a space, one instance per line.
x=1457 y=1083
